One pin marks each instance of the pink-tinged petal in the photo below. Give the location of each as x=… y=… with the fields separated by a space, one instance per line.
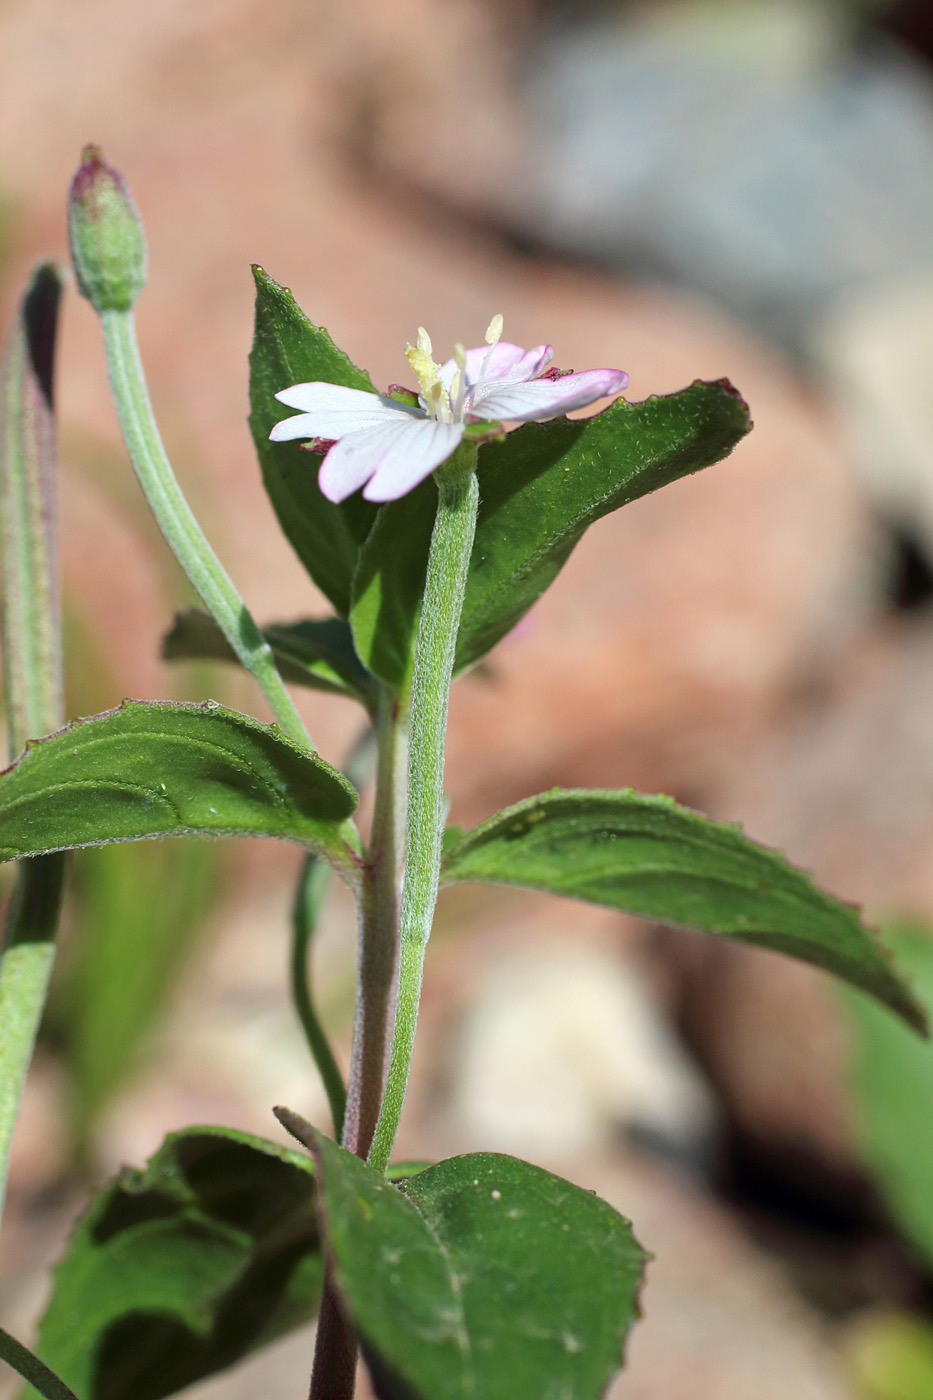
x=505 y=362
x=547 y=398
x=530 y=366
x=388 y=459
x=534 y=362
x=332 y=410
x=425 y=446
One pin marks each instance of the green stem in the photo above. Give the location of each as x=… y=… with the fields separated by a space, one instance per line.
x=378 y=932
x=179 y=526
x=312 y=886
x=451 y=545
x=28 y=1365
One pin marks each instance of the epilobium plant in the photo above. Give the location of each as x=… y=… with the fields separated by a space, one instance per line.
x=431 y=530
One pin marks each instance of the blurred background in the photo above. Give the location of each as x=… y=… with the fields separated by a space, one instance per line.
x=683 y=188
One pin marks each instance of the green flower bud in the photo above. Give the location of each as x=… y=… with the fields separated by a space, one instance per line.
x=108 y=247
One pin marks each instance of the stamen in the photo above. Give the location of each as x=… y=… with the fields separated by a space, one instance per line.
x=458 y=383
x=440 y=403
x=493 y=333
x=420 y=359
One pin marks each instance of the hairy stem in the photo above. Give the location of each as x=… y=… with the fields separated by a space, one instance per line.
x=334 y=1374
x=451 y=545
x=179 y=526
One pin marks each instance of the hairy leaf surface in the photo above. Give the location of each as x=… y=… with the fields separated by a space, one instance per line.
x=164 y=769
x=651 y=857
x=480 y=1276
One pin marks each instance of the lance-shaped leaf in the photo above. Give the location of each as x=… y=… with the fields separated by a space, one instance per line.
x=180 y=1269
x=31 y=625
x=163 y=769
x=651 y=857
x=540 y=488
x=481 y=1276
x=288 y=349
x=316 y=652
x=892 y=1085
x=31 y=661
x=137 y=911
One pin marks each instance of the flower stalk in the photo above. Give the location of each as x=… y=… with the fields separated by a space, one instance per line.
x=177 y=522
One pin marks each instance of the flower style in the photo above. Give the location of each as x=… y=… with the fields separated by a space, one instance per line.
x=388 y=446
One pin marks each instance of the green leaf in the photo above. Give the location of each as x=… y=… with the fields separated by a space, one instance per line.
x=28 y=515
x=317 y=652
x=546 y=483
x=137 y=913
x=163 y=769
x=650 y=857
x=288 y=349
x=481 y=1276
x=540 y=488
x=892 y=1081
x=180 y=1269
x=32 y=660
x=389 y=584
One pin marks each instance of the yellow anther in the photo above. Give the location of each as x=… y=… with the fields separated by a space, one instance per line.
x=424 y=368
x=460 y=359
x=494 y=332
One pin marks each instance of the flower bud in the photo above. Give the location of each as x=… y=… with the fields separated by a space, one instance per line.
x=108 y=247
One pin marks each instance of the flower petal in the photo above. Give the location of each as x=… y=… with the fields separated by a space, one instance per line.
x=389 y=459
x=546 y=398
x=301 y=425
x=332 y=410
x=506 y=361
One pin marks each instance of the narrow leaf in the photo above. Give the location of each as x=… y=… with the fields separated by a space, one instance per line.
x=317 y=652
x=32 y=662
x=137 y=910
x=31 y=626
x=892 y=1081
x=162 y=769
x=180 y=1269
x=541 y=487
x=288 y=349
x=481 y=1276
x=650 y=857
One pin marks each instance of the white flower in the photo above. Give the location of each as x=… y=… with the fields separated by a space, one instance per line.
x=388 y=447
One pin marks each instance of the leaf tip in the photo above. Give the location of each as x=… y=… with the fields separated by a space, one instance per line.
x=727 y=386
x=297 y=1127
